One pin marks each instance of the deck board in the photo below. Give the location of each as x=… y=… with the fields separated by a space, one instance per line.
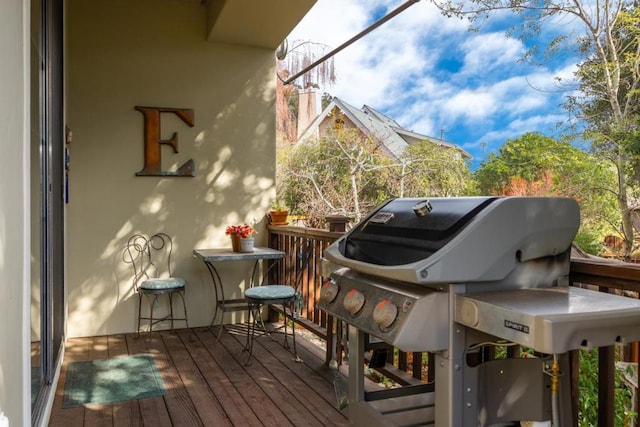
x=261 y=371
x=179 y=404
x=153 y=411
x=207 y=406
x=236 y=408
x=252 y=391
x=77 y=350
x=209 y=383
x=98 y=415
x=125 y=413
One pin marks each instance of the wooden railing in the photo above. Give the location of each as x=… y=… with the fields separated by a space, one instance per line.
x=296 y=242
x=602 y=275
x=611 y=277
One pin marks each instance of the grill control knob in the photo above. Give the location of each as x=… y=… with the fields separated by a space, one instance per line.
x=385 y=313
x=329 y=291
x=354 y=301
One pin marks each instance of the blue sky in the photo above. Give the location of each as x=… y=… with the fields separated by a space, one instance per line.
x=432 y=75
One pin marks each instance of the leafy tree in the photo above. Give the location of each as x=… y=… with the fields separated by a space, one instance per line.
x=609 y=76
x=325 y=100
x=609 y=104
x=342 y=173
x=521 y=187
x=536 y=165
x=346 y=173
x=428 y=169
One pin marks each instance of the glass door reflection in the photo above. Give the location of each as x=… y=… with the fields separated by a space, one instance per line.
x=36 y=196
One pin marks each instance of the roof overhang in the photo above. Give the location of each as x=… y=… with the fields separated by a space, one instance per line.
x=441 y=142
x=260 y=23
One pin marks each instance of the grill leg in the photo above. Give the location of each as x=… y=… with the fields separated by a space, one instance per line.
x=451 y=407
x=356 y=365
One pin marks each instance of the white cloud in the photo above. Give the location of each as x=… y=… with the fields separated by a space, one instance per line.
x=545 y=124
x=471 y=104
x=429 y=73
x=485 y=52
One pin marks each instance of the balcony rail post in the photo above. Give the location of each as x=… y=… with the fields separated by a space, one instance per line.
x=606 y=386
x=337 y=223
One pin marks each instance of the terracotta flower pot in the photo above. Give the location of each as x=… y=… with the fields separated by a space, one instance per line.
x=278 y=217
x=235 y=242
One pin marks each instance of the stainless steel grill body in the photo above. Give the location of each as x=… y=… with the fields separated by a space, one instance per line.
x=445 y=274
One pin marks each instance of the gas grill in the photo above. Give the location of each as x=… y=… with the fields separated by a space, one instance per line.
x=450 y=275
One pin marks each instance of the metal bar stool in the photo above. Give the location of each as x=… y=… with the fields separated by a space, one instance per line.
x=277 y=293
x=151 y=261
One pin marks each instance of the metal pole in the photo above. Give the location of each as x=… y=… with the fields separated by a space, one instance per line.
x=353 y=39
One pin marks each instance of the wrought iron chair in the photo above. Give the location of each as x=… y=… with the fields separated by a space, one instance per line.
x=269 y=293
x=151 y=261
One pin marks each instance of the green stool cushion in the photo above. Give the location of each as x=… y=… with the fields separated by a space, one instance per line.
x=163 y=284
x=270 y=292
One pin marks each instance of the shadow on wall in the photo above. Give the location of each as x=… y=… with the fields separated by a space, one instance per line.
x=234 y=183
x=116 y=61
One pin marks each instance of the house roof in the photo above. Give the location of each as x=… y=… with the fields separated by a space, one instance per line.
x=393 y=137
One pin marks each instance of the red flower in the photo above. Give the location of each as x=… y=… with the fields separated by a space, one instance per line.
x=243 y=230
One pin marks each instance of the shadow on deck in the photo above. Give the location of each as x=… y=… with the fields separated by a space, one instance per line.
x=208 y=383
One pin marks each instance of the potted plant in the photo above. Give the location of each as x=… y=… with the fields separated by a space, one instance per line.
x=278 y=214
x=241 y=237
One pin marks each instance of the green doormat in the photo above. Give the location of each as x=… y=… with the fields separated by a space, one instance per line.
x=112 y=380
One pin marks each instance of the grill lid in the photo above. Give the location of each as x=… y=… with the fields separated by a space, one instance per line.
x=408 y=230
x=456 y=240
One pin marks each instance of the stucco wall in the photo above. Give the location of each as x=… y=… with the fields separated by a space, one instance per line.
x=127 y=53
x=14 y=258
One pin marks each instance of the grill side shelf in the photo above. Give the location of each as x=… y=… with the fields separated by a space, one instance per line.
x=552 y=320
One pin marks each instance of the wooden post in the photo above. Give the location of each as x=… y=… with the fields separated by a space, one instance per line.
x=417 y=365
x=337 y=223
x=606 y=386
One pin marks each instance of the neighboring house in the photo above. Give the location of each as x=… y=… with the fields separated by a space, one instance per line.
x=92 y=95
x=391 y=136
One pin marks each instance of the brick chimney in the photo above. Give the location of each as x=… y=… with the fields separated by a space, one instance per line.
x=307 y=108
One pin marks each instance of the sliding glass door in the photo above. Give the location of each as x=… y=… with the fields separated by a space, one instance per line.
x=47 y=198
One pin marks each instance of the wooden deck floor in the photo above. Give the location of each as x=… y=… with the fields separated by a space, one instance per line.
x=208 y=383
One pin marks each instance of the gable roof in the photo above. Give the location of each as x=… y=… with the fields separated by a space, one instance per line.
x=379 y=127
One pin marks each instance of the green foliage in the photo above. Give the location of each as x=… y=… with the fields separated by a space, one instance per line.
x=325 y=100
x=346 y=173
x=430 y=169
x=341 y=173
x=277 y=206
x=589 y=242
x=536 y=165
x=605 y=108
x=529 y=157
x=588 y=394
x=608 y=102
